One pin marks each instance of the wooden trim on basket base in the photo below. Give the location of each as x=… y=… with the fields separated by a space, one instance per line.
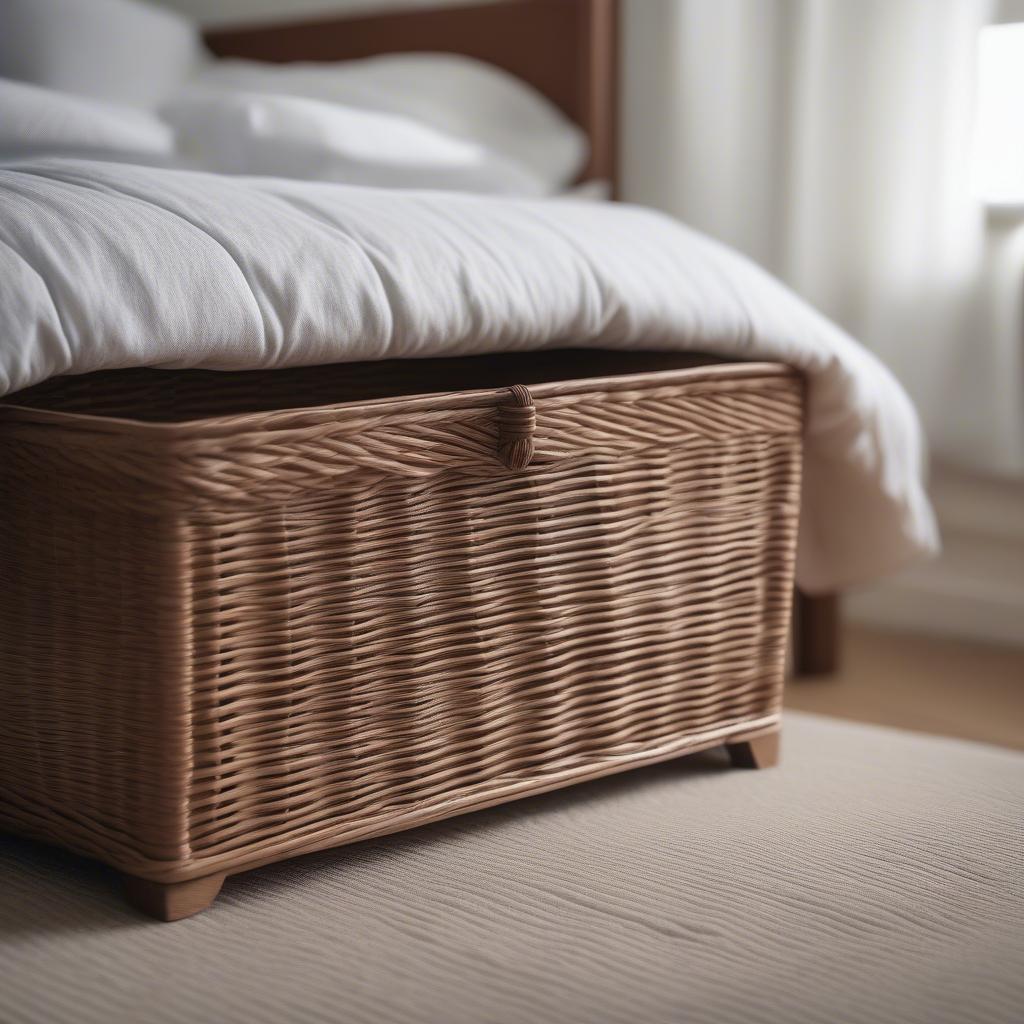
x=186 y=891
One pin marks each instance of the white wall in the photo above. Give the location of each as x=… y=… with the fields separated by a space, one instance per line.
x=976 y=588
x=226 y=12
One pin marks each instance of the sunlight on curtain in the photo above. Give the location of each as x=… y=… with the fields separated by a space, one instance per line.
x=998 y=173
x=831 y=141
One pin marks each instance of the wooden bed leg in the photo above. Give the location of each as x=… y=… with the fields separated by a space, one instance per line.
x=758 y=752
x=171 y=901
x=815 y=634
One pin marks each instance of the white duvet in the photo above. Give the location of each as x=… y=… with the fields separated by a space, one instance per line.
x=105 y=265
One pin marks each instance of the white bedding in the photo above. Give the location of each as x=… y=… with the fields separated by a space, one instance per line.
x=450 y=94
x=105 y=265
x=72 y=73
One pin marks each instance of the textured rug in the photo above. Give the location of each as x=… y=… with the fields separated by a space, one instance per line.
x=877 y=876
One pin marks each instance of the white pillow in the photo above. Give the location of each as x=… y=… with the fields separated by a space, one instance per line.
x=457 y=95
x=116 y=50
x=36 y=121
x=292 y=137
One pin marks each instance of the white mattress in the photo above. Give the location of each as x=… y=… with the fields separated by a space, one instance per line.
x=105 y=265
x=875 y=877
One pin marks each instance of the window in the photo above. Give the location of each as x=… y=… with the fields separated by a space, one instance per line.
x=999 y=135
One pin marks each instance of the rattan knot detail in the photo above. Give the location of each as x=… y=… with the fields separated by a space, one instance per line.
x=516 y=425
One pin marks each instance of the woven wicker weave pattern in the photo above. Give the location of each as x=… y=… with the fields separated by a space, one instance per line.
x=237 y=639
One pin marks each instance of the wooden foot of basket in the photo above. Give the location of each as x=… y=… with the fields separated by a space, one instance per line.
x=171 y=901
x=758 y=752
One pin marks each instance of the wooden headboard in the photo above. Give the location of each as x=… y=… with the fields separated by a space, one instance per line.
x=566 y=49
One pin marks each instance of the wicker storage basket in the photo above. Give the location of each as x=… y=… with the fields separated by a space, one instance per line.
x=237 y=625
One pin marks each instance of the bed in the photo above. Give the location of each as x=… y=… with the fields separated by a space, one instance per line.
x=567 y=50
x=604 y=630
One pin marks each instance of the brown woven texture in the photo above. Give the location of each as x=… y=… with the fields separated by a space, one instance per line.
x=232 y=639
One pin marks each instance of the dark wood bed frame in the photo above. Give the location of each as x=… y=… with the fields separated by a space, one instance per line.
x=567 y=50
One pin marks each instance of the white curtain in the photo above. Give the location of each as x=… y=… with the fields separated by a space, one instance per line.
x=830 y=140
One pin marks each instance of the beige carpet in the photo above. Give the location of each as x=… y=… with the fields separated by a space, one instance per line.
x=877 y=876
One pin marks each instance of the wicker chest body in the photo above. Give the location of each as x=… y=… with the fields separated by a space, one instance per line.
x=238 y=625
